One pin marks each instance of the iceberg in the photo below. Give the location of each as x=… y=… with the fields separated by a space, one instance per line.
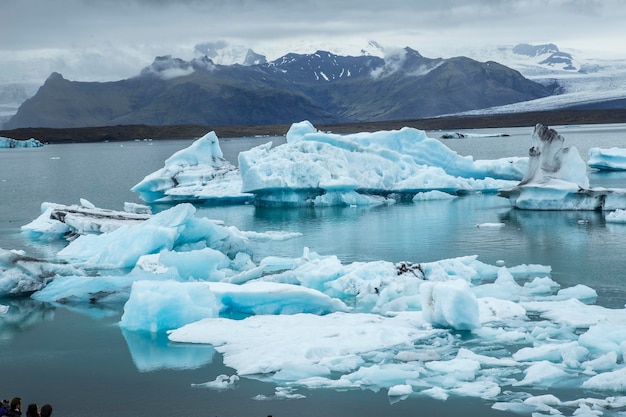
x=57 y=220
x=196 y=173
x=313 y=165
x=556 y=179
x=325 y=169
x=14 y=143
x=613 y=159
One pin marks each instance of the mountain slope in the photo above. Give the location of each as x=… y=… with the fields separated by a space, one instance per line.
x=320 y=87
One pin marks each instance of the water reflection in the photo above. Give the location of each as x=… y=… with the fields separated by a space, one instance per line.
x=153 y=351
x=18 y=315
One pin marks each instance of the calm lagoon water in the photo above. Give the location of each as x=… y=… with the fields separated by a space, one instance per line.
x=81 y=362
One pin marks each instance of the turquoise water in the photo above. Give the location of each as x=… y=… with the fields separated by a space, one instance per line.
x=80 y=361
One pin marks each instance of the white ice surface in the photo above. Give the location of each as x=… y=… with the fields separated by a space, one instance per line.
x=556 y=179
x=325 y=169
x=613 y=159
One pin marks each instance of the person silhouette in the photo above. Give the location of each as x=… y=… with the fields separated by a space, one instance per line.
x=46 y=410
x=32 y=410
x=15 y=408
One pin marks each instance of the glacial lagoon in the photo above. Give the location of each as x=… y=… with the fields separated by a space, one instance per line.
x=83 y=363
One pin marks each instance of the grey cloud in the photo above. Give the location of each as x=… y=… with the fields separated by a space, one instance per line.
x=139 y=30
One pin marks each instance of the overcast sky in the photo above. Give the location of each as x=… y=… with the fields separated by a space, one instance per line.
x=112 y=39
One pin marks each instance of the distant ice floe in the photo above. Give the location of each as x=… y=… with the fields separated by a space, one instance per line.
x=556 y=179
x=324 y=169
x=613 y=159
x=14 y=143
x=460 y=135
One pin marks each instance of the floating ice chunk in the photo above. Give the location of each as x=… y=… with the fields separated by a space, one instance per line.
x=45 y=226
x=575 y=313
x=23 y=275
x=450 y=304
x=478 y=389
x=488 y=225
x=328 y=169
x=542 y=374
x=176 y=227
x=437 y=393
x=222 y=382
x=608 y=381
x=198 y=172
x=551 y=352
x=16 y=143
x=484 y=360
x=605 y=362
x=81 y=289
x=157 y=306
x=617 y=216
x=556 y=179
x=314 y=340
x=605 y=337
x=493 y=309
x=163 y=301
x=433 y=195
x=203 y=264
x=273 y=298
x=281 y=393
x=457 y=369
x=86 y=203
x=58 y=220
x=400 y=390
x=613 y=159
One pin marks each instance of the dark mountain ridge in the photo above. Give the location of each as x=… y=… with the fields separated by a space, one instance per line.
x=321 y=87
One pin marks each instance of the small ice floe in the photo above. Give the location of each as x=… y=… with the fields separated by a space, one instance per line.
x=221 y=383
x=613 y=159
x=490 y=225
x=59 y=220
x=282 y=393
x=617 y=216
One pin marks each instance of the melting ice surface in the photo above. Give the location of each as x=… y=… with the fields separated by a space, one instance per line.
x=453 y=327
x=317 y=168
x=556 y=179
x=14 y=143
x=613 y=159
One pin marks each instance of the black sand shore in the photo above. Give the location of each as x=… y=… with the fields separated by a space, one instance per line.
x=132 y=132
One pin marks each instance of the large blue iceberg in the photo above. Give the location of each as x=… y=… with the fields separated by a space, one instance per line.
x=318 y=168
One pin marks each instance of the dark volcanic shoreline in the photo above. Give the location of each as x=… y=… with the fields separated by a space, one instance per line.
x=132 y=132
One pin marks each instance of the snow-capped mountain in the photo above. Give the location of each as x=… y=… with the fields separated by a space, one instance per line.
x=584 y=80
x=321 y=87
